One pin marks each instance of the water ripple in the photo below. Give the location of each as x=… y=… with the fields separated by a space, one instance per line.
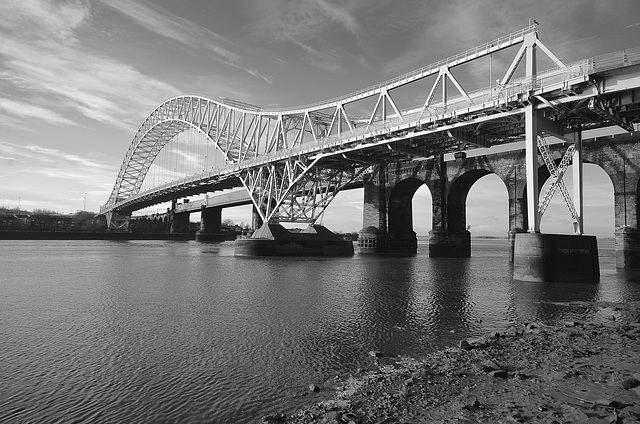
x=183 y=332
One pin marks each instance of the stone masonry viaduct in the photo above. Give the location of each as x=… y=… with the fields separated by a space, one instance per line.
x=388 y=192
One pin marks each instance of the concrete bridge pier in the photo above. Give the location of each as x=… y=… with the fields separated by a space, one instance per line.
x=210 y=224
x=443 y=244
x=179 y=222
x=627 y=248
x=449 y=237
x=387 y=226
x=272 y=239
x=372 y=239
x=625 y=175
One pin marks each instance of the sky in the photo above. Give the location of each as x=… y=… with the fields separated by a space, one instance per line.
x=78 y=77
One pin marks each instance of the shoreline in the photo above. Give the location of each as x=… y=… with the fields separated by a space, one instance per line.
x=567 y=371
x=65 y=235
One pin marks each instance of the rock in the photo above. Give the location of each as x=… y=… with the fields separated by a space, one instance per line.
x=603 y=402
x=617 y=405
x=274 y=418
x=494 y=335
x=569 y=323
x=488 y=365
x=314 y=388
x=475 y=343
x=633 y=410
x=630 y=383
x=332 y=416
x=375 y=353
x=499 y=374
x=465 y=345
x=349 y=417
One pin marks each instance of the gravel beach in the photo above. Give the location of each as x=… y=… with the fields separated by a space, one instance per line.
x=560 y=372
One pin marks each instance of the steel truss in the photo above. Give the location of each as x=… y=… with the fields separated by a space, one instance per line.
x=293 y=161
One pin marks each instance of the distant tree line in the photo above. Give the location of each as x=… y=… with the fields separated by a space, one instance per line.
x=48 y=220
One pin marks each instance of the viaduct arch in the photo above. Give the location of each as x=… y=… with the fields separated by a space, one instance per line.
x=387 y=217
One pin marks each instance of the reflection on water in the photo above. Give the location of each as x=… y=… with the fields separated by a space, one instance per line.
x=182 y=331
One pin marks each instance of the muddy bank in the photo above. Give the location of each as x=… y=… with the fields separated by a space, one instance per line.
x=561 y=372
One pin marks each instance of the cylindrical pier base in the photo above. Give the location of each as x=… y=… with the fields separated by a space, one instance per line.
x=371 y=240
x=555 y=258
x=443 y=244
x=374 y=241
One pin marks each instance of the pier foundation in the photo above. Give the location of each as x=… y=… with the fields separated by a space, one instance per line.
x=210 y=224
x=443 y=244
x=179 y=222
x=555 y=258
x=275 y=240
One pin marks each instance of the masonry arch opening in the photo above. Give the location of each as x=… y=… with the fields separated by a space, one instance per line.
x=487 y=208
x=422 y=213
x=598 y=214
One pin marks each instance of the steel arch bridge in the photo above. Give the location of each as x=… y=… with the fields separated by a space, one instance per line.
x=294 y=161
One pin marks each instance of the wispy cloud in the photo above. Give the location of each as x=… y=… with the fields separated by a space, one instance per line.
x=44 y=155
x=310 y=25
x=53 y=154
x=15 y=172
x=44 y=62
x=201 y=39
x=27 y=110
x=58 y=20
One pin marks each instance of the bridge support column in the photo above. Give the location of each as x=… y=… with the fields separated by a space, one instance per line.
x=373 y=236
x=627 y=233
x=627 y=248
x=256 y=219
x=515 y=182
x=549 y=257
x=210 y=224
x=449 y=237
x=443 y=244
x=179 y=223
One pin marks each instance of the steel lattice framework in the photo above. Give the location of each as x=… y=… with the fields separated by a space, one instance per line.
x=293 y=161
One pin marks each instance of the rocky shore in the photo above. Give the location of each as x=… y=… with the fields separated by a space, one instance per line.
x=561 y=372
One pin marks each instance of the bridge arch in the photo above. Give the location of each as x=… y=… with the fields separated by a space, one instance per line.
x=400 y=208
x=457 y=198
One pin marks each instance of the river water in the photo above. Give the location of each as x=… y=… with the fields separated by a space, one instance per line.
x=156 y=331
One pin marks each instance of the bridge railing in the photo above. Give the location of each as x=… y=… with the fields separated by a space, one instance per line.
x=493 y=96
x=458 y=58
x=614 y=60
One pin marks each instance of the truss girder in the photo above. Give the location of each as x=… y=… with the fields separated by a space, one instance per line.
x=276 y=151
x=295 y=190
